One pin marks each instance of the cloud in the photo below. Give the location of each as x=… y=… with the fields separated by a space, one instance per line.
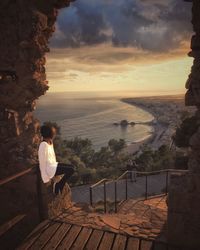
x=104 y=58
x=151 y=25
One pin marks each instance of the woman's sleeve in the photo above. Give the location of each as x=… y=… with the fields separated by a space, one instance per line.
x=42 y=155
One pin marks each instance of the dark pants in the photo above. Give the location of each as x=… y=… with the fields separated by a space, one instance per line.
x=67 y=170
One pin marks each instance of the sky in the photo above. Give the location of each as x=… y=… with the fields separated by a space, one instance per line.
x=133 y=46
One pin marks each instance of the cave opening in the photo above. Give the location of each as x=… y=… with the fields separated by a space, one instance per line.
x=24 y=68
x=85 y=63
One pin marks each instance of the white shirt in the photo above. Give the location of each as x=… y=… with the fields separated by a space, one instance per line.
x=47 y=161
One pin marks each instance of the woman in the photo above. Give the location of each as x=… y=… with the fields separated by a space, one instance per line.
x=49 y=167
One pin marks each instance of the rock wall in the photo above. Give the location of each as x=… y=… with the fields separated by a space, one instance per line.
x=184 y=193
x=25 y=29
x=53 y=205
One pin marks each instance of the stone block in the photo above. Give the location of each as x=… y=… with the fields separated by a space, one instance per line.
x=183 y=211
x=52 y=205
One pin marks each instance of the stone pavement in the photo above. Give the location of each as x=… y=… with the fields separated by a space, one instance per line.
x=144 y=219
x=156 y=185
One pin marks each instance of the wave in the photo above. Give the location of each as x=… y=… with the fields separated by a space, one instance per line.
x=94 y=120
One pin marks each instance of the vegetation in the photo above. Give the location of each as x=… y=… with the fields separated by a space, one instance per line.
x=91 y=165
x=109 y=161
x=150 y=160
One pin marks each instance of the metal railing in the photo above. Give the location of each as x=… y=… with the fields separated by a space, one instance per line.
x=103 y=181
x=126 y=176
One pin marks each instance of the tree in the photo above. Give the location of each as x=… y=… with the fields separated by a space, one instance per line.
x=87 y=175
x=116 y=145
x=150 y=160
x=145 y=159
x=82 y=148
x=102 y=157
x=107 y=162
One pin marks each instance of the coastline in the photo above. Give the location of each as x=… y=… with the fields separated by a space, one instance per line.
x=166 y=111
x=134 y=147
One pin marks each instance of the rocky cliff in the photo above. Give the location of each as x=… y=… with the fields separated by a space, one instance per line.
x=184 y=193
x=25 y=29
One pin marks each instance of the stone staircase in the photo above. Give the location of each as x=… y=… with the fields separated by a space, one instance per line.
x=142 y=218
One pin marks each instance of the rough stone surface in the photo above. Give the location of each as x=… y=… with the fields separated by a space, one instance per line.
x=184 y=192
x=193 y=82
x=60 y=202
x=183 y=213
x=146 y=219
x=25 y=28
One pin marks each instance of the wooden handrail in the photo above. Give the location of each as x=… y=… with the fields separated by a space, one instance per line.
x=138 y=172
x=11 y=223
x=121 y=176
x=161 y=171
x=16 y=176
x=100 y=182
x=152 y=172
x=179 y=170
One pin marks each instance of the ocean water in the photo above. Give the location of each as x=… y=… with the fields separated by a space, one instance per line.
x=93 y=118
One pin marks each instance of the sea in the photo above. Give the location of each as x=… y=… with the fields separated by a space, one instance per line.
x=92 y=117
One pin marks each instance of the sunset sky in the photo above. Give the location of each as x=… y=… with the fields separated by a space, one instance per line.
x=121 y=45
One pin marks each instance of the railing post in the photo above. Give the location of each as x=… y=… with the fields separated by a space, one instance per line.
x=115 y=196
x=126 y=185
x=167 y=179
x=146 y=187
x=104 y=187
x=39 y=195
x=91 y=200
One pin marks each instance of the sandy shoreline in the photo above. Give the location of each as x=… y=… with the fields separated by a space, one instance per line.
x=154 y=140
x=166 y=111
x=135 y=147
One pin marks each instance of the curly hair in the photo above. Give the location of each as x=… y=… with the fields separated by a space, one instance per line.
x=46 y=131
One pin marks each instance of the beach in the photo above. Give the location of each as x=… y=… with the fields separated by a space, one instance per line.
x=156 y=118
x=168 y=112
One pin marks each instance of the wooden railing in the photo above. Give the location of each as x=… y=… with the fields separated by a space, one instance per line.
x=16 y=176
x=19 y=217
x=35 y=170
x=125 y=176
